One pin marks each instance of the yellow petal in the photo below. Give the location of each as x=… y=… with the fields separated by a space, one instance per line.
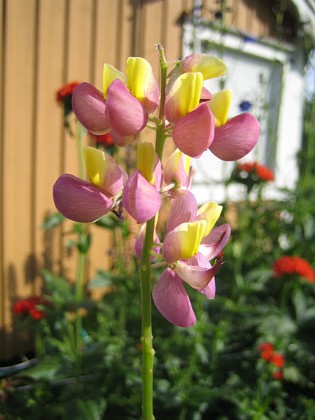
x=95 y=161
x=139 y=73
x=191 y=235
x=184 y=95
x=110 y=74
x=174 y=160
x=220 y=105
x=210 y=213
x=146 y=160
x=208 y=65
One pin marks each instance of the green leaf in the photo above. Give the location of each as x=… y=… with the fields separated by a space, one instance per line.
x=202 y=353
x=125 y=230
x=107 y=222
x=87 y=409
x=299 y=301
x=47 y=369
x=259 y=274
x=102 y=279
x=84 y=243
x=292 y=374
x=307 y=320
x=57 y=284
x=52 y=221
x=71 y=243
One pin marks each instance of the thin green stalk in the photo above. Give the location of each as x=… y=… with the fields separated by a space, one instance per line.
x=146 y=338
x=80 y=132
x=145 y=270
x=82 y=255
x=39 y=344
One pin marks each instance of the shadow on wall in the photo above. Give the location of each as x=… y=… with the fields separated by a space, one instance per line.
x=15 y=340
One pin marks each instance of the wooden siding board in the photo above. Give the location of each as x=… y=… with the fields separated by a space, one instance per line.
x=49 y=126
x=62 y=41
x=2 y=32
x=126 y=28
x=173 y=30
x=106 y=39
x=152 y=27
x=19 y=103
x=78 y=61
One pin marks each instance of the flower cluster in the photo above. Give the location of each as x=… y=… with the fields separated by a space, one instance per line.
x=30 y=307
x=251 y=174
x=103 y=139
x=289 y=265
x=255 y=169
x=268 y=353
x=196 y=120
x=64 y=97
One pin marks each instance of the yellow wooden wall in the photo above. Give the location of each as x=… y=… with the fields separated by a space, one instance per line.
x=43 y=45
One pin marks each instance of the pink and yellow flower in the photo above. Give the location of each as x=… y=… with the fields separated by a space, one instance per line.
x=87 y=201
x=234 y=138
x=124 y=104
x=141 y=195
x=188 y=246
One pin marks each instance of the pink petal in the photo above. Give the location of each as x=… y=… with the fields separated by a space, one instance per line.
x=79 y=200
x=205 y=95
x=158 y=173
x=115 y=177
x=184 y=209
x=121 y=141
x=200 y=260
x=209 y=291
x=236 y=138
x=89 y=107
x=140 y=198
x=171 y=299
x=193 y=133
x=152 y=96
x=196 y=276
x=125 y=114
x=176 y=171
x=213 y=244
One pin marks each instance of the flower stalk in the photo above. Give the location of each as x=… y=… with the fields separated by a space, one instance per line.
x=80 y=132
x=126 y=105
x=145 y=270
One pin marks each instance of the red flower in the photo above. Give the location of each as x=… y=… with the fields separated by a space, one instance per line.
x=277 y=359
x=37 y=314
x=264 y=173
x=266 y=351
x=64 y=98
x=104 y=139
x=22 y=306
x=254 y=168
x=29 y=307
x=247 y=167
x=64 y=93
x=293 y=265
x=278 y=374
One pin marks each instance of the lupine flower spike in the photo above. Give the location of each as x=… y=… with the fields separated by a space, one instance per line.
x=197 y=120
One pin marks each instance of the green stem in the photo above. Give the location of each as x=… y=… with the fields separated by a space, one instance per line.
x=79 y=297
x=80 y=132
x=146 y=338
x=145 y=269
x=39 y=344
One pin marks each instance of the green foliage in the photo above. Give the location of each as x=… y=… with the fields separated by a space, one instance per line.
x=213 y=370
